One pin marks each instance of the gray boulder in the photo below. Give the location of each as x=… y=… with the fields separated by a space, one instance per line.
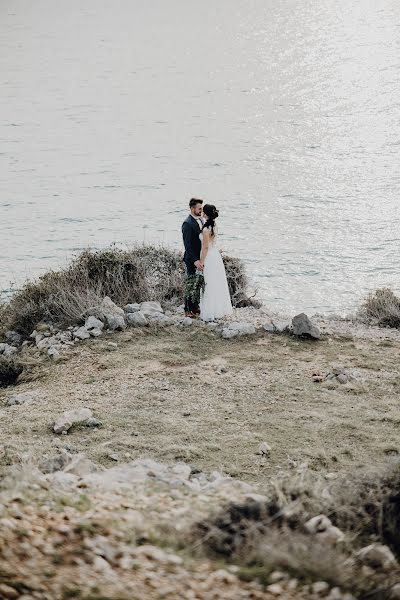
x=70 y=418
x=302 y=326
x=14 y=338
x=18 y=399
x=93 y=323
x=113 y=314
x=187 y=322
x=10 y=350
x=150 y=308
x=81 y=333
x=238 y=329
x=132 y=308
x=377 y=556
x=2 y=347
x=95 y=332
x=136 y=319
x=54 y=354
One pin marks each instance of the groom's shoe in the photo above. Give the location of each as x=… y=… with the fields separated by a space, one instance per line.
x=189 y=314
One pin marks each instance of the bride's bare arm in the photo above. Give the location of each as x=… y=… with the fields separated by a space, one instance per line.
x=204 y=247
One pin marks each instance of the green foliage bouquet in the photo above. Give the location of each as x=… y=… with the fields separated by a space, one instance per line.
x=194 y=286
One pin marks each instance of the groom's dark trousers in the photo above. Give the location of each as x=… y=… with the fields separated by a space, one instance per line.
x=192 y=243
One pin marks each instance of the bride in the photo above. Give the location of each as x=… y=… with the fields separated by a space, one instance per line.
x=215 y=301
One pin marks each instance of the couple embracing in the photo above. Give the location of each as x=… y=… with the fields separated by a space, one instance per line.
x=202 y=257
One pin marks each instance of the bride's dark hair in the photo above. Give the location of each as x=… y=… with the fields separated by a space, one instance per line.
x=211 y=213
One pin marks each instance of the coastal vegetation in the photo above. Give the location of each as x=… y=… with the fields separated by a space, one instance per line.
x=143 y=273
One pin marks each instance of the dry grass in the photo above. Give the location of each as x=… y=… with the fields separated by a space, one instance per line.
x=383 y=308
x=138 y=275
x=265 y=536
x=162 y=394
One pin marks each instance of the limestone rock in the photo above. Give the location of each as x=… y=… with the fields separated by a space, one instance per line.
x=395 y=592
x=14 y=338
x=136 y=319
x=53 y=353
x=81 y=333
x=238 y=329
x=377 y=556
x=132 y=308
x=320 y=588
x=93 y=323
x=18 y=399
x=70 y=418
x=264 y=449
x=187 y=322
x=318 y=524
x=115 y=322
x=93 y=422
x=9 y=350
x=151 y=308
x=95 y=333
x=302 y=326
x=113 y=314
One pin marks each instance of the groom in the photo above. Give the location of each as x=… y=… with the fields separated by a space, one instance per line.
x=191 y=229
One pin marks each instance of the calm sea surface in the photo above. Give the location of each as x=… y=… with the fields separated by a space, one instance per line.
x=286 y=115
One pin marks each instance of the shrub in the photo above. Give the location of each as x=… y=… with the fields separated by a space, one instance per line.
x=263 y=536
x=138 y=275
x=382 y=307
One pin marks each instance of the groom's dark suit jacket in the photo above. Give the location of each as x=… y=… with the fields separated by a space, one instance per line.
x=191 y=240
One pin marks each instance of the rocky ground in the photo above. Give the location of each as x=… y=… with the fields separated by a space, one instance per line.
x=84 y=512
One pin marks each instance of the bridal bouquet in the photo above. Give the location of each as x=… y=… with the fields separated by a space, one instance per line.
x=194 y=286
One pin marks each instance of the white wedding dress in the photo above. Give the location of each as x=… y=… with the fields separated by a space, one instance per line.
x=215 y=301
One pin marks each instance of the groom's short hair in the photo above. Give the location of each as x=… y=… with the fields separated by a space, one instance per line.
x=194 y=201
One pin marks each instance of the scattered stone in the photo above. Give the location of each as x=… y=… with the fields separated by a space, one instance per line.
x=270 y=327
x=111 y=346
x=137 y=319
x=395 y=592
x=14 y=338
x=302 y=326
x=281 y=326
x=340 y=375
x=264 y=449
x=93 y=422
x=238 y=329
x=322 y=527
x=54 y=354
x=93 y=323
x=7 y=592
x=276 y=589
x=132 y=308
x=335 y=594
x=151 y=308
x=18 y=399
x=55 y=463
x=70 y=418
x=95 y=332
x=187 y=322
x=81 y=333
x=2 y=347
x=10 y=350
x=320 y=588
x=377 y=556
x=113 y=314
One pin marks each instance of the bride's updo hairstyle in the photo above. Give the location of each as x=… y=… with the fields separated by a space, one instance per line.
x=211 y=213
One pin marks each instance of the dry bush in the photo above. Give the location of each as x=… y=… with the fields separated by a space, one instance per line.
x=265 y=536
x=383 y=308
x=143 y=273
